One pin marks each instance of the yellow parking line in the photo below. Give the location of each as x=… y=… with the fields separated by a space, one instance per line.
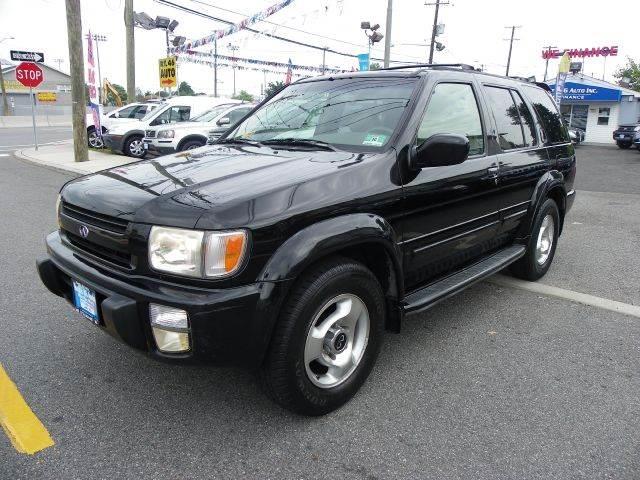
x=24 y=429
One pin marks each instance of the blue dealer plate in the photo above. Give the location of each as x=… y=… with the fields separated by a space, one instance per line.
x=84 y=300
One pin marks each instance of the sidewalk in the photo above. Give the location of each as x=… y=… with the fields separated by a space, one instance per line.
x=60 y=157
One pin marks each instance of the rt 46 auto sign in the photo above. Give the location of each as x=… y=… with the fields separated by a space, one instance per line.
x=29 y=74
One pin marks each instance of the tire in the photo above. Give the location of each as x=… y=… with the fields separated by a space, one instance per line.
x=93 y=140
x=623 y=146
x=306 y=387
x=191 y=144
x=536 y=261
x=133 y=147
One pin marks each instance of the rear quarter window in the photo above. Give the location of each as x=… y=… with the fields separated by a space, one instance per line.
x=547 y=113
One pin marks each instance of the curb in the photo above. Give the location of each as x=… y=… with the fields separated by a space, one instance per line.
x=36 y=161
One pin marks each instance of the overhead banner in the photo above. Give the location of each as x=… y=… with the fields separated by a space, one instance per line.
x=92 y=85
x=218 y=34
x=168 y=72
x=202 y=61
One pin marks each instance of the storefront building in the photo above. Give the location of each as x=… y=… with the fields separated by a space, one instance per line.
x=597 y=107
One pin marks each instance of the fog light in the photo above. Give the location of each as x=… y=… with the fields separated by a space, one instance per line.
x=170 y=328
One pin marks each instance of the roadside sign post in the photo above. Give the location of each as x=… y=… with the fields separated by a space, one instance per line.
x=30 y=75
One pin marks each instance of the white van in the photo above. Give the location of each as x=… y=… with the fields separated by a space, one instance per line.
x=126 y=137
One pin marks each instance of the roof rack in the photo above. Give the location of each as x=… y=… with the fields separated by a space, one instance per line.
x=462 y=66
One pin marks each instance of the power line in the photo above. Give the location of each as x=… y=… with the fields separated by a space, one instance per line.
x=511 y=40
x=270 y=35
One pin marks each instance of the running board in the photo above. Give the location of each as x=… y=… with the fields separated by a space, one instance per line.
x=430 y=295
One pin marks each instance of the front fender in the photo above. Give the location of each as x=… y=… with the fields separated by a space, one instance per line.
x=551 y=180
x=326 y=237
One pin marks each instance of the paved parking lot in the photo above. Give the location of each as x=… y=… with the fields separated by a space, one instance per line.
x=494 y=383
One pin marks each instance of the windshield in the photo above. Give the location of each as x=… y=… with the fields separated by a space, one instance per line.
x=354 y=112
x=210 y=115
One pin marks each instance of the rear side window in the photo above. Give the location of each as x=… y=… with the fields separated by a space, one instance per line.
x=507 y=117
x=547 y=114
x=528 y=125
x=453 y=109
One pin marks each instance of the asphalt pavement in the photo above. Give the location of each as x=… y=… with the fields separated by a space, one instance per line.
x=14 y=138
x=493 y=383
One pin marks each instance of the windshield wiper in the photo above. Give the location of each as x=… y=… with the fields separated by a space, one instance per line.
x=244 y=141
x=303 y=142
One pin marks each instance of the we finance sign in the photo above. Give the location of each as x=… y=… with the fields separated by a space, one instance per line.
x=581 y=52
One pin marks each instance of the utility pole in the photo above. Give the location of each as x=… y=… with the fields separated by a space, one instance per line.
x=513 y=31
x=215 y=67
x=387 y=39
x=234 y=49
x=131 y=53
x=546 y=63
x=76 y=68
x=324 y=59
x=435 y=27
x=59 y=62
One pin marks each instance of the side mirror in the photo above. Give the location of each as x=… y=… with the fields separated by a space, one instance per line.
x=439 y=150
x=224 y=121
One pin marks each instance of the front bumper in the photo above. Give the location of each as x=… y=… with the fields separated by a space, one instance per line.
x=154 y=146
x=114 y=142
x=227 y=325
x=624 y=137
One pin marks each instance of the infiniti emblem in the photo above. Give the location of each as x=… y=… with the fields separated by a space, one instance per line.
x=84 y=231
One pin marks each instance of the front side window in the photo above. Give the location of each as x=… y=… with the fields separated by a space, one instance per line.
x=237 y=114
x=453 y=109
x=507 y=118
x=352 y=113
x=173 y=115
x=547 y=113
x=210 y=115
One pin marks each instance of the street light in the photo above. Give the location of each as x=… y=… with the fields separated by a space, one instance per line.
x=374 y=36
x=143 y=20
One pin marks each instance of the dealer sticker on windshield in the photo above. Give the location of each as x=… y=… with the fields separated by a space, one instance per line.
x=374 y=140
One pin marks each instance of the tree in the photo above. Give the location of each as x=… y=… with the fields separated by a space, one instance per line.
x=273 y=87
x=629 y=75
x=185 y=89
x=244 y=96
x=375 y=66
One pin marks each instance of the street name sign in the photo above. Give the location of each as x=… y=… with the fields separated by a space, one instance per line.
x=20 y=56
x=29 y=74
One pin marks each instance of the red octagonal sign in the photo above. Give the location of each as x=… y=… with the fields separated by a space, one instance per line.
x=29 y=74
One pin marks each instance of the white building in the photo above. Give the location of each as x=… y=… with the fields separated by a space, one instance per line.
x=597 y=107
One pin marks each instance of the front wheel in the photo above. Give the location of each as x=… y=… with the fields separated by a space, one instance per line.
x=93 y=139
x=134 y=147
x=542 y=244
x=327 y=338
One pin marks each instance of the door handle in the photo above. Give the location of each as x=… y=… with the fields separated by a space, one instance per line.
x=493 y=173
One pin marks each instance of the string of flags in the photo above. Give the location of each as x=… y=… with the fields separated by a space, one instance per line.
x=200 y=61
x=255 y=61
x=218 y=34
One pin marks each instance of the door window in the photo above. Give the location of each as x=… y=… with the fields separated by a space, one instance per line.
x=526 y=118
x=510 y=134
x=453 y=109
x=173 y=115
x=126 y=112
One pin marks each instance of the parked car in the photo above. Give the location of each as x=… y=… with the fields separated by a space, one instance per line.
x=336 y=208
x=194 y=133
x=131 y=111
x=127 y=137
x=624 y=135
x=576 y=135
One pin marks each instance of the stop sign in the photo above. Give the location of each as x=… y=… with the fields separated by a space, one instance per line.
x=29 y=74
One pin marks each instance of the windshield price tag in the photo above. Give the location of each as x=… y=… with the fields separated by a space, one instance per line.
x=374 y=140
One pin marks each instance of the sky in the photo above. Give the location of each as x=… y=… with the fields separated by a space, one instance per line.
x=474 y=33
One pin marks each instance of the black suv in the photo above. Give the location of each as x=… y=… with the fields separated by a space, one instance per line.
x=626 y=135
x=331 y=211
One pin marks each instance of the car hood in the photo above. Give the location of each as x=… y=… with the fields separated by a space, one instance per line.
x=222 y=186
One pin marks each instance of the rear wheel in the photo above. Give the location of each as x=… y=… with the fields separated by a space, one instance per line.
x=327 y=338
x=542 y=244
x=93 y=139
x=134 y=147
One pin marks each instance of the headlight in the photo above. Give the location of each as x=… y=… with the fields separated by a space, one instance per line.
x=195 y=253
x=166 y=134
x=637 y=129
x=58 y=203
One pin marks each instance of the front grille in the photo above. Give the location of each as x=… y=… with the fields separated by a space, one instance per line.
x=150 y=133
x=626 y=128
x=121 y=259
x=106 y=222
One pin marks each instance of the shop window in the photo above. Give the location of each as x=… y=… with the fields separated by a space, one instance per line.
x=603 y=116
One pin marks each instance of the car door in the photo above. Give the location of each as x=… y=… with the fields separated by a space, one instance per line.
x=522 y=157
x=451 y=212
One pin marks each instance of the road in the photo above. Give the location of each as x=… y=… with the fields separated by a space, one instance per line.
x=14 y=138
x=497 y=382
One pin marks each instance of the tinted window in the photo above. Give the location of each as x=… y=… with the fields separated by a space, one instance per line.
x=528 y=125
x=362 y=113
x=548 y=115
x=508 y=122
x=237 y=114
x=453 y=109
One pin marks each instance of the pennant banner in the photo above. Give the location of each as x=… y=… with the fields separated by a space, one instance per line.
x=255 y=61
x=201 y=61
x=218 y=34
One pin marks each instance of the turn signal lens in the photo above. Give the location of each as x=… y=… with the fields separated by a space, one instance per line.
x=224 y=253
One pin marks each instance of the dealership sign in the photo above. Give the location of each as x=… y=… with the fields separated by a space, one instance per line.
x=581 y=52
x=577 y=92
